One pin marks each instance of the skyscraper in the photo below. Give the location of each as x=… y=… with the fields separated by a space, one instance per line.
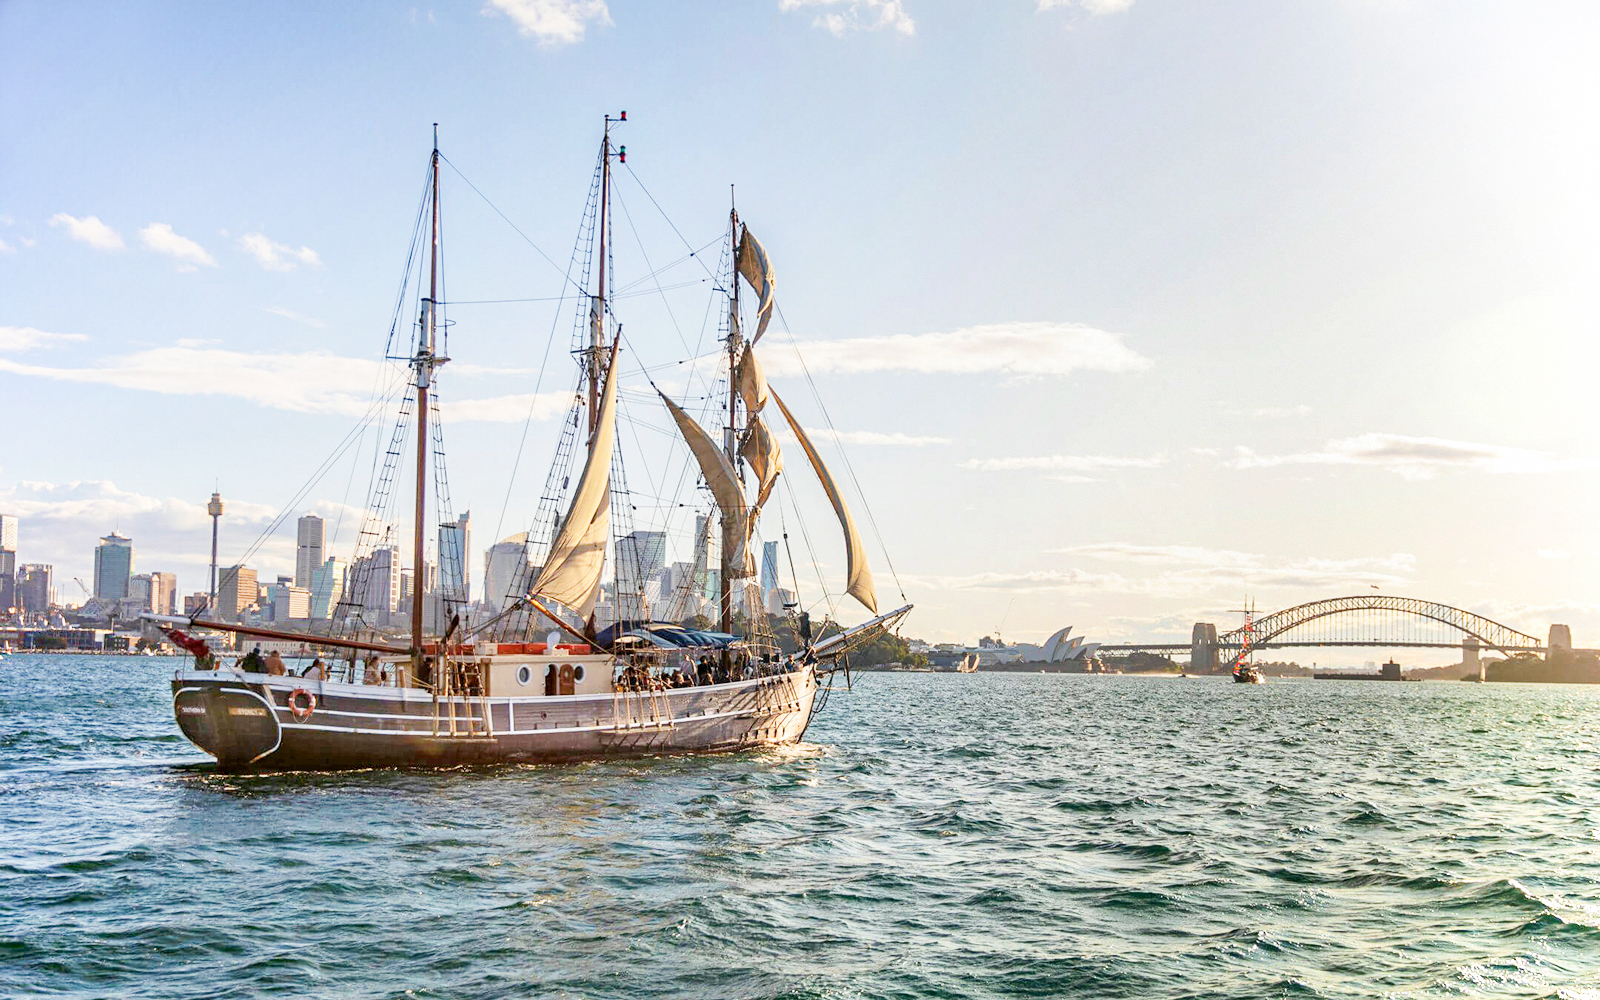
x=455 y=546
x=327 y=588
x=505 y=567
x=237 y=589
x=164 y=593
x=113 y=566
x=35 y=588
x=769 y=568
x=8 y=564
x=310 y=539
x=375 y=584
x=641 y=554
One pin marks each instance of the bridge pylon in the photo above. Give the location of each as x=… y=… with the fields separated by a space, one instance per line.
x=1204 y=655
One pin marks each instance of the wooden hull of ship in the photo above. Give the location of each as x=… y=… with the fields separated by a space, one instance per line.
x=245 y=722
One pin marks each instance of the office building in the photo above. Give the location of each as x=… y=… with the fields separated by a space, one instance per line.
x=374 y=585
x=113 y=567
x=8 y=564
x=237 y=591
x=164 y=593
x=139 y=591
x=36 y=590
x=641 y=554
x=193 y=604
x=455 y=548
x=290 y=603
x=327 y=588
x=769 y=568
x=310 y=539
x=506 y=570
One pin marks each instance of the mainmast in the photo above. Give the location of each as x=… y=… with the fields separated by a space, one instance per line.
x=424 y=363
x=730 y=433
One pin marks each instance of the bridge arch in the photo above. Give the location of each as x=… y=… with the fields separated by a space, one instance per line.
x=1487 y=631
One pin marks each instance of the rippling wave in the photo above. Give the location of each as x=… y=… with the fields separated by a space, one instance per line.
x=940 y=836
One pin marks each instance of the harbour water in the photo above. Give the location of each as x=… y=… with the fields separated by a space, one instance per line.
x=938 y=836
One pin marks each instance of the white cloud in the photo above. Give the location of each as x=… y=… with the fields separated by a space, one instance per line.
x=1061 y=463
x=552 y=22
x=1269 y=412
x=88 y=230
x=1013 y=348
x=26 y=338
x=290 y=314
x=512 y=409
x=1194 y=572
x=892 y=438
x=1096 y=7
x=275 y=256
x=1413 y=457
x=313 y=382
x=840 y=16
x=6 y=247
x=61 y=523
x=158 y=236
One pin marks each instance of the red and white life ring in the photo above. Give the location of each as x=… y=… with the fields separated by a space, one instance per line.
x=301 y=704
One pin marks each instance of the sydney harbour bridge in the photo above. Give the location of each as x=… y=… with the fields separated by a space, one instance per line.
x=1363 y=620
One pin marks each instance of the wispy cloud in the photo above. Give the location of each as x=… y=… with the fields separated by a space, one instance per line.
x=6 y=247
x=290 y=314
x=1010 y=348
x=1189 y=572
x=1413 y=457
x=26 y=338
x=1269 y=412
x=158 y=236
x=892 y=438
x=512 y=409
x=275 y=256
x=552 y=22
x=1062 y=463
x=60 y=522
x=312 y=382
x=841 y=16
x=88 y=229
x=1096 y=7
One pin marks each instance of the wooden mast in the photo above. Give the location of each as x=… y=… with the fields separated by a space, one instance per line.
x=424 y=365
x=597 y=311
x=731 y=432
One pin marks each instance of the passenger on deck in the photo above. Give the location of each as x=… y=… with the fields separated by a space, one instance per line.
x=721 y=674
x=372 y=675
x=705 y=675
x=250 y=662
x=275 y=665
x=317 y=671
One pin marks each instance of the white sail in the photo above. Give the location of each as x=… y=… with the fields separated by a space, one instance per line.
x=724 y=482
x=752 y=382
x=572 y=573
x=859 y=577
x=757 y=270
x=761 y=452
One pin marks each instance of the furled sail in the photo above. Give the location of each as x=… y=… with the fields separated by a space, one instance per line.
x=752 y=382
x=572 y=572
x=858 y=575
x=721 y=476
x=761 y=452
x=757 y=270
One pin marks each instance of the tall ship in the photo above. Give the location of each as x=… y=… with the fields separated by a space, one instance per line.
x=542 y=677
x=1244 y=669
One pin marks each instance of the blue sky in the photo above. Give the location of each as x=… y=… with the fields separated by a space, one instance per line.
x=1123 y=310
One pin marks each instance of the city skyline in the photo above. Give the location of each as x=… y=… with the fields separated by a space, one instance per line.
x=1176 y=305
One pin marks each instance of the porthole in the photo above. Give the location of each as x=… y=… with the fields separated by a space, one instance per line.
x=577 y=672
x=524 y=675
